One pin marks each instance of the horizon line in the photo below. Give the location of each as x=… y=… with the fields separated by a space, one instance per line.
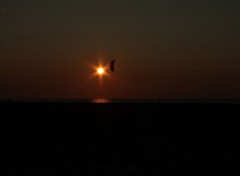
x=128 y=100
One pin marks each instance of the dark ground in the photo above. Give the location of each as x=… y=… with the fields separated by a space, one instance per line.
x=118 y=139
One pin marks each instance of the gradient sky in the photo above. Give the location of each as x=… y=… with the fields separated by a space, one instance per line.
x=163 y=48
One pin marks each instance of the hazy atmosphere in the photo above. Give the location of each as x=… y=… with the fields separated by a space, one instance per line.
x=162 y=48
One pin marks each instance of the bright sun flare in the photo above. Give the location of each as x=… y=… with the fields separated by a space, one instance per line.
x=100 y=71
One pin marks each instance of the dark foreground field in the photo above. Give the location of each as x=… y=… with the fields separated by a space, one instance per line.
x=118 y=139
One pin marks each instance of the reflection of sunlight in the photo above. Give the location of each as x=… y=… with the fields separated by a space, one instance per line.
x=100 y=100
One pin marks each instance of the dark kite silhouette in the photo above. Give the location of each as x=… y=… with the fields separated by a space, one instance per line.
x=112 y=65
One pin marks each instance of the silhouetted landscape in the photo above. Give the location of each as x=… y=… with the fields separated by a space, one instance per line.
x=76 y=138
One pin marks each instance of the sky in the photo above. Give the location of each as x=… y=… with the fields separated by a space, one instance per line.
x=163 y=48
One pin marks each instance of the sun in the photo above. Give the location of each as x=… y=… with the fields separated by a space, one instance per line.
x=100 y=71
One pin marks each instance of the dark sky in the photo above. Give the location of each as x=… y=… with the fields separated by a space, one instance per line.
x=163 y=48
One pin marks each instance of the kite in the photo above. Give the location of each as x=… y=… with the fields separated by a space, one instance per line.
x=112 y=65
